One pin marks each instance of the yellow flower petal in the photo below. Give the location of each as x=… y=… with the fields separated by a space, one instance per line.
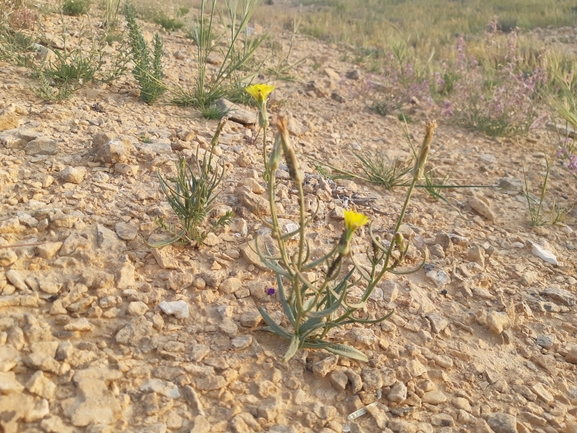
x=260 y=91
x=354 y=220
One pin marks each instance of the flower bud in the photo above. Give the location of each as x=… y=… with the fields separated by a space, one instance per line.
x=274 y=158
x=290 y=156
x=424 y=151
x=344 y=246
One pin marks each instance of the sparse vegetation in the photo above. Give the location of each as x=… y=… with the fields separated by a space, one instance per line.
x=147 y=67
x=314 y=308
x=239 y=49
x=76 y=7
x=191 y=194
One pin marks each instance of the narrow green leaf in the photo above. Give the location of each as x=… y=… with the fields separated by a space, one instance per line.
x=272 y=325
x=283 y=300
x=310 y=325
x=347 y=351
x=166 y=242
x=292 y=349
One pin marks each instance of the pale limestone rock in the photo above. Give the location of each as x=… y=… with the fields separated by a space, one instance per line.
x=14 y=408
x=165 y=257
x=502 y=422
x=325 y=366
x=11 y=225
x=80 y=325
x=137 y=308
x=126 y=231
x=40 y=385
x=41 y=146
x=497 y=321
x=94 y=402
x=7 y=257
x=230 y=285
x=54 y=424
x=125 y=278
x=48 y=250
x=235 y=112
x=9 y=357
x=482 y=208
x=73 y=174
x=160 y=387
x=543 y=393
x=434 y=397
x=544 y=254
x=201 y=425
x=9 y=384
x=398 y=392
x=17 y=280
x=178 y=309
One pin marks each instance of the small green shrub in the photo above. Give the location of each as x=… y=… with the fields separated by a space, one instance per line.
x=167 y=23
x=76 y=7
x=238 y=51
x=314 y=307
x=147 y=68
x=68 y=69
x=191 y=195
x=111 y=13
x=16 y=47
x=380 y=171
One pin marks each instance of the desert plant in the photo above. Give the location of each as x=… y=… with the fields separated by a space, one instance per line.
x=167 y=23
x=147 y=68
x=538 y=215
x=284 y=68
x=567 y=149
x=76 y=7
x=73 y=66
x=111 y=8
x=17 y=47
x=207 y=90
x=494 y=96
x=191 y=195
x=314 y=307
x=260 y=93
x=379 y=171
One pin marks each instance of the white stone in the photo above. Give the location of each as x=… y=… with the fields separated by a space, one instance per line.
x=160 y=387
x=9 y=384
x=544 y=254
x=178 y=309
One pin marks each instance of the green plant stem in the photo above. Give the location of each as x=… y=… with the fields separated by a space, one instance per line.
x=264 y=155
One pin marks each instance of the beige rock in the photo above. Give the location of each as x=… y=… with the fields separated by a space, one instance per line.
x=40 y=385
x=9 y=384
x=73 y=174
x=14 y=408
x=48 y=250
x=497 y=321
x=8 y=121
x=482 y=208
x=94 y=403
x=434 y=397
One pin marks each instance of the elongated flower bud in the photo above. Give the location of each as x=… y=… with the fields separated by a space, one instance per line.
x=274 y=159
x=424 y=151
x=399 y=240
x=263 y=116
x=290 y=156
x=344 y=246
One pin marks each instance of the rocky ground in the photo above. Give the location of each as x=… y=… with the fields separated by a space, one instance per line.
x=101 y=333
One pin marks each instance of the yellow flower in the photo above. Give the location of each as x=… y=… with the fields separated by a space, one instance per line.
x=260 y=91
x=354 y=220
